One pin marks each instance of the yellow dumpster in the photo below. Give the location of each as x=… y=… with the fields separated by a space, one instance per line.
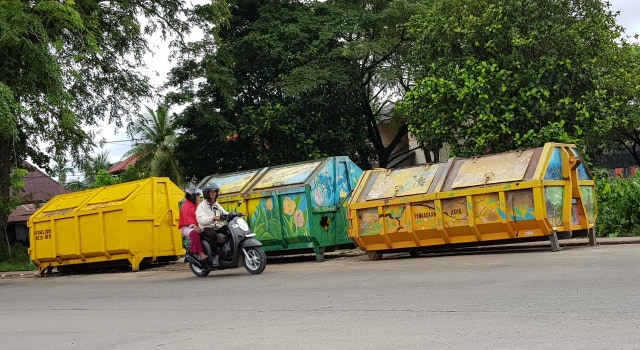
x=532 y=194
x=132 y=223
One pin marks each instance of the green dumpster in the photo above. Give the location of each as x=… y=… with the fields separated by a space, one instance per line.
x=293 y=208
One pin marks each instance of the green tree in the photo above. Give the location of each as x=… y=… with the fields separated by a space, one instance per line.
x=60 y=168
x=66 y=65
x=373 y=36
x=92 y=166
x=9 y=203
x=494 y=75
x=619 y=128
x=154 y=136
x=290 y=81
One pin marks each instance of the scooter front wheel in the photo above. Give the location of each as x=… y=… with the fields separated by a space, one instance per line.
x=255 y=260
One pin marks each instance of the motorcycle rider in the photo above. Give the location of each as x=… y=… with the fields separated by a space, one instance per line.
x=188 y=223
x=208 y=215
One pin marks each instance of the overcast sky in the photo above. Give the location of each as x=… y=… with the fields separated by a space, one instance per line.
x=159 y=66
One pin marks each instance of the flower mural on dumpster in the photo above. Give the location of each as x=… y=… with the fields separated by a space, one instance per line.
x=554 y=196
x=588 y=198
x=272 y=224
x=264 y=221
x=298 y=218
x=294 y=218
x=269 y=204
x=322 y=188
x=369 y=223
x=288 y=206
x=520 y=205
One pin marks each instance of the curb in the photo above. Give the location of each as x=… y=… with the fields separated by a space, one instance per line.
x=355 y=253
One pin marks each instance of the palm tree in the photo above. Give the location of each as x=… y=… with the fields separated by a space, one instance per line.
x=154 y=136
x=90 y=167
x=93 y=165
x=61 y=168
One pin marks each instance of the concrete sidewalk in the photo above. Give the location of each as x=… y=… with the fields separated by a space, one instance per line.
x=601 y=241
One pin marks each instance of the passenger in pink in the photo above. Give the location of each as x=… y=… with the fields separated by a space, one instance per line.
x=188 y=223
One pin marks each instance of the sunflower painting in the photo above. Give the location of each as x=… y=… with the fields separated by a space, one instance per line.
x=295 y=223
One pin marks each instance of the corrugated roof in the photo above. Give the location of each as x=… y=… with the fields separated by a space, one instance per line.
x=22 y=213
x=123 y=165
x=39 y=188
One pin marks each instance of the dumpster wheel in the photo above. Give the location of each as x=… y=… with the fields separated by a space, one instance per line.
x=374 y=255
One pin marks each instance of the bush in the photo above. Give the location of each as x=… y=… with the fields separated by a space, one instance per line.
x=16 y=260
x=618 y=206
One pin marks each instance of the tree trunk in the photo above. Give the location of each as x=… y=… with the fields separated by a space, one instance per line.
x=384 y=153
x=5 y=177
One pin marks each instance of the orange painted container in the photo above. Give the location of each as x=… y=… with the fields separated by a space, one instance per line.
x=532 y=194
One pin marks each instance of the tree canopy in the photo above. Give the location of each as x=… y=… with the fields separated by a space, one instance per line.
x=495 y=75
x=154 y=136
x=66 y=65
x=289 y=81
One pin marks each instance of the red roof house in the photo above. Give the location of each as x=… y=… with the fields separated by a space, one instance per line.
x=39 y=188
x=123 y=165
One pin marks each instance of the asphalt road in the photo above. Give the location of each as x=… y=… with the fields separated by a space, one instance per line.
x=579 y=298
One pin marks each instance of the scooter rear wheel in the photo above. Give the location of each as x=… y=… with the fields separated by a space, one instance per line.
x=256 y=261
x=198 y=271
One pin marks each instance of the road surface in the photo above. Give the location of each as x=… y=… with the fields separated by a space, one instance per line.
x=579 y=298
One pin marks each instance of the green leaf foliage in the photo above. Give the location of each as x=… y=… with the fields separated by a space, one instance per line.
x=495 y=75
x=618 y=126
x=154 y=136
x=615 y=198
x=65 y=65
x=290 y=81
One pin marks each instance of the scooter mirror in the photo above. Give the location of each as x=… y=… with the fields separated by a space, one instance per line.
x=239 y=204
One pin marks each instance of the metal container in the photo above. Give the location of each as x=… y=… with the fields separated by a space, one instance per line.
x=544 y=192
x=293 y=208
x=132 y=222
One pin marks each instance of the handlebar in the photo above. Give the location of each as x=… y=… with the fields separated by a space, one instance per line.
x=231 y=215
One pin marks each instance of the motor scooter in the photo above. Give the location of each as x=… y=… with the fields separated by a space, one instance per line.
x=237 y=247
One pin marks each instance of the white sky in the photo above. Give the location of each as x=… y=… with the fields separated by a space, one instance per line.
x=159 y=65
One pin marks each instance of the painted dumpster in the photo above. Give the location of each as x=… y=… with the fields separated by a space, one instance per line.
x=293 y=208
x=532 y=194
x=126 y=223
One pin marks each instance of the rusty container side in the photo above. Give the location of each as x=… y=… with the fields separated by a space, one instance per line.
x=509 y=197
x=128 y=222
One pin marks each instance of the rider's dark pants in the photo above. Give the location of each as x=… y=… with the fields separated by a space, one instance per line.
x=210 y=233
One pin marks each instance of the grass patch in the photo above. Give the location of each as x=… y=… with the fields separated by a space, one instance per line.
x=16 y=260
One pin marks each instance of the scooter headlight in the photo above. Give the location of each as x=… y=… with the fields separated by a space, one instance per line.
x=242 y=224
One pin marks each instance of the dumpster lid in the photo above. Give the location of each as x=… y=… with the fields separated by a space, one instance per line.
x=114 y=193
x=403 y=182
x=233 y=183
x=287 y=175
x=68 y=201
x=492 y=169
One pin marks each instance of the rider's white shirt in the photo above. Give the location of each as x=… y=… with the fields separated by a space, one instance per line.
x=205 y=214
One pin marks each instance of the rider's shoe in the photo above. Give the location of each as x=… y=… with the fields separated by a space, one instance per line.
x=215 y=261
